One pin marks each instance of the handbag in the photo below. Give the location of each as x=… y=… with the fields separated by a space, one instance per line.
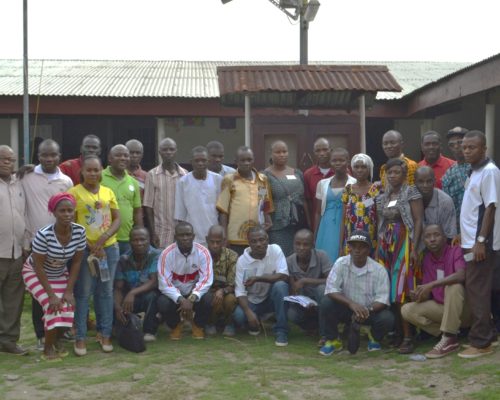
x=130 y=335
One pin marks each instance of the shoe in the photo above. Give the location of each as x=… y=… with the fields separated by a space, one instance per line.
x=330 y=347
x=229 y=330
x=406 y=346
x=444 y=347
x=254 y=333
x=374 y=346
x=68 y=335
x=321 y=342
x=281 y=339
x=40 y=344
x=14 y=348
x=197 y=332
x=353 y=337
x=54 y=358
x=176 y=333
x=474 y=352
x=149 y=337
x=493 y=344
x=60 y=350
x=106 y=345
x=211 y=330
x=80 y=348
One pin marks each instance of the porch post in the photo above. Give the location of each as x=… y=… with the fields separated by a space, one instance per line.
x=14 y=140
x=160 y=135
x=489 y=129
x=248 y=110
x=362 y=124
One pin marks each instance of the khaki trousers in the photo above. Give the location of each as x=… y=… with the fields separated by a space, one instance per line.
x=11 y=299
x=224 y=309
x=435 y=318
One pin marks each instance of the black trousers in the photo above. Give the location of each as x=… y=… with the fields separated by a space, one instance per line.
x=36 y=318
x=168 y=310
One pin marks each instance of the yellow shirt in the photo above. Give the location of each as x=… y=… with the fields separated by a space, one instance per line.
x=93 y=211
x=411 y=167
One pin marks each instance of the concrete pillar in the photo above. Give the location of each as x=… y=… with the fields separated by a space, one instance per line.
x=248 y=112
x=14 y=138
x=489 y=129
x=362 y=124
x=160 y=134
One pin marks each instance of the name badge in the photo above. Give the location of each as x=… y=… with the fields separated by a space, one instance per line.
x=291 y=177
x=131 y=188
x=440 y=274
x=368 y=202
x=392 y=203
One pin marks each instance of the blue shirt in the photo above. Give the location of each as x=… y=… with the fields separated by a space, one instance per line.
x=127 y=268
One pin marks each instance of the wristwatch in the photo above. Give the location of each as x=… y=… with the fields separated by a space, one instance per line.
x=481 y=239
x=192 y=298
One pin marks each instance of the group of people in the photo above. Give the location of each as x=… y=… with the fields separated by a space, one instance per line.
x=222 y=247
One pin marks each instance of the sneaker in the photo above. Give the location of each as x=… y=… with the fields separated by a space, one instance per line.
x=80 y=348
x=149 y=337
x=40 y=344
x=281 y=339
x=330 y=347
x=254 y=333
x=176 y=333
x=197 y=332
x=474 y=352
x=106 y=345
x=229 y=330
x=444 y=347
x=14 y=348
x=321 y=342
x=374 y=346
x=210 y=330
x=353 y=337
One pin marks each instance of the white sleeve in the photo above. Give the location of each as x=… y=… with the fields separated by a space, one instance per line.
x=165 y=284
x=180 y=211
x=239 y=289
x=334 y=282
x=281 y=265
x=206 y=276
x=490 y=187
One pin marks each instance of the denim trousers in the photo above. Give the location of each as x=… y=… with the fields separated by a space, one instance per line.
x=87 y=285
x=273 y=303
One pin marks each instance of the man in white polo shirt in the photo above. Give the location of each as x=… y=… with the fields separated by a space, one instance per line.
x=480 y=238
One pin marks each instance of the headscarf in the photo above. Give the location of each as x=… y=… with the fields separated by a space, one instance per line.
x=365 y=159
x=57 y=198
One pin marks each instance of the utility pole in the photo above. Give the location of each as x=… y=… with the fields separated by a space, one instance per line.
x=26 y=105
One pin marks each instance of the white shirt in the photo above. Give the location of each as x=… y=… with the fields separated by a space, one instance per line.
x=481 y=190
x=274 y=262
x=195 y=202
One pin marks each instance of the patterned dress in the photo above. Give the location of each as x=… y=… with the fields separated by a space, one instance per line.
x=360 y=212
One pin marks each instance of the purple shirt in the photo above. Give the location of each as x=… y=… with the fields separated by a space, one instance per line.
x=451 y=261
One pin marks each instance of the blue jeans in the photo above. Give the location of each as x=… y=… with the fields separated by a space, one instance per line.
x=273 y=303
x=308 y=319
x=124 y=248
x=87 y=285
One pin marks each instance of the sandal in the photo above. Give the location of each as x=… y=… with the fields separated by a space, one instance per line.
x=51 y=358
x=407 y=346
x=60 y=350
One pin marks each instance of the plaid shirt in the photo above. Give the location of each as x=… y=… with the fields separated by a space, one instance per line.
x=364 y=286
x=454 y=185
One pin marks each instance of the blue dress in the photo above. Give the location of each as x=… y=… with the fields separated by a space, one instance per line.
x=328 y=237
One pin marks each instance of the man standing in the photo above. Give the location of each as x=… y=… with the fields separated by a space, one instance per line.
x=357 y=292
x=438 y=206
x=159 y=195
x=126 y=190
x=224 y=262
x=480 y=238
x=215 y=157
x=317 y=172
x=136 y=150
x=392 y=144
x=136 y=283
x=308 y=269
x=196 y=196
x=261 y=285
x=438 y=303
x=245 y=201
x=455 y=177
x=12 y=230
x=431 y=147
x=91 y=145
x=185 y=275
x=39 y=186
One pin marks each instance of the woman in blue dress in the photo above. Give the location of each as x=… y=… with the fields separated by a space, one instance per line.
x=329 y=209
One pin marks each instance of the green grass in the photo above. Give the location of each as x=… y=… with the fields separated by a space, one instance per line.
x=243 y=368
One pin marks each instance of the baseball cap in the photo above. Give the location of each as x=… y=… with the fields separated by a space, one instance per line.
x=359 y=236
x=457 y=131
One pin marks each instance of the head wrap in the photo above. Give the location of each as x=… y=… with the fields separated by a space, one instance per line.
x=365 y=159
x=57 y=198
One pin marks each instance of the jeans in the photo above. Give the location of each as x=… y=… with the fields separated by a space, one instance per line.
x=170 y=314
x=308 y=319
x=274 y=302
x=335 y=312
x=87 y=285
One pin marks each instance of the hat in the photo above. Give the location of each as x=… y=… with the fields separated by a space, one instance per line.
x=359 y=236
x=457 y=131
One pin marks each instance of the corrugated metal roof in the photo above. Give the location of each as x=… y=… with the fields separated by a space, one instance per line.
x=188 y=79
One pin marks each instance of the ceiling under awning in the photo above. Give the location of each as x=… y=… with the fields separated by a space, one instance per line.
x=304 y=86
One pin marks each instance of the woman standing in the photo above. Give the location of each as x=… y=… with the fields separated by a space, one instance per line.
x=287 y=186
x=400 y=213
x=97 y=211
x=46 y=274
x=329 y=207
x=360 y=209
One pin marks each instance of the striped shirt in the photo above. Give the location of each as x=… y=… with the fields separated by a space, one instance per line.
x=159 y=194
x=180 y=275
x=57 y=256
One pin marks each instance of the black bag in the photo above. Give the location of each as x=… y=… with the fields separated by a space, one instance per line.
x=130 y=335
x=297 y=215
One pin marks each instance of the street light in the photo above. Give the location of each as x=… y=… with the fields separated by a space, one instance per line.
x=306 y=10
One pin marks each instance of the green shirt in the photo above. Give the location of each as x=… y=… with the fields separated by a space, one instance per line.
x=128 y=196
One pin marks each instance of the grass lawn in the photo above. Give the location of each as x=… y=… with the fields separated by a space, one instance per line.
x=243 y=368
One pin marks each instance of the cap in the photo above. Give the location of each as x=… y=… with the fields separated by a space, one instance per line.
x=457 y=131
x=359 y=236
